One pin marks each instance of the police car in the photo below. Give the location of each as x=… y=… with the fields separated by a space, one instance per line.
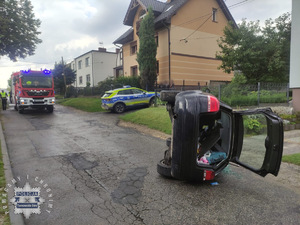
x=118 y=100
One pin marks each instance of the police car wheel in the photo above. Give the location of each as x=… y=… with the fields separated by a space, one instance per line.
x=152 y=102
x=119 y=108
x=164 y=169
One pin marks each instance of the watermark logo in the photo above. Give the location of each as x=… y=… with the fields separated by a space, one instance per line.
x=29 y=199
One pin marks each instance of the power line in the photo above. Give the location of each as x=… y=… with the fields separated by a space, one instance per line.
x=209 y=14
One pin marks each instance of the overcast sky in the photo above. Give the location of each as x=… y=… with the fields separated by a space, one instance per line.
x=71 y=28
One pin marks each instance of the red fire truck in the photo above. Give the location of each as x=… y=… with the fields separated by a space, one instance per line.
x=33 y=89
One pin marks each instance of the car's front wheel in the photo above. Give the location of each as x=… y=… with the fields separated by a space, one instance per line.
x=119 y=107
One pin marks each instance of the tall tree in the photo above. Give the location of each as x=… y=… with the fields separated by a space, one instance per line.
x=260 y=53
x=146 y=56
x=60 y=70
x=18 y=29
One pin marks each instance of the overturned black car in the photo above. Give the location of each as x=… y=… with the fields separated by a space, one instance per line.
x=208 y=134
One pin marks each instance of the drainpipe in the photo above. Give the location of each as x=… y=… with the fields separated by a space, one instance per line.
x=169 y=52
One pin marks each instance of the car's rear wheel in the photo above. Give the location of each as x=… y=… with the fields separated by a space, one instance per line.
x=119 y=107
x=152 y=102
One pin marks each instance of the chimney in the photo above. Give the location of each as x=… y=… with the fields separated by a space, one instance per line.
x=101 y=49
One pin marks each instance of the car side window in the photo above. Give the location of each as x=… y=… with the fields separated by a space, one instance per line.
x=137 y=91
x=125 y=92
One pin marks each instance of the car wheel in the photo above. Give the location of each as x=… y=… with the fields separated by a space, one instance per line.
x=119 y=108
x=164 y=169
x=152 y=102
x=168 y=95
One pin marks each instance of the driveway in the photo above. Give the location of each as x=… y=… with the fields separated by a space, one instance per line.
x=92 y=171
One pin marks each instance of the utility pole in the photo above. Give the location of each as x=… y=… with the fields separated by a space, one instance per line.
x=64 y=75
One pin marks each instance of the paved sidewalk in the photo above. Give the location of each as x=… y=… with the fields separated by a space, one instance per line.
x=291 y=142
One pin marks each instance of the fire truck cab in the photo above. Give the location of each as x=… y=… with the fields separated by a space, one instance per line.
x=33 y=89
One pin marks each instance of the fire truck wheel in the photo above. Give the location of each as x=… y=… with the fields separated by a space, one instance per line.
x=50 y=108
x=164 y=169
x=21 y=111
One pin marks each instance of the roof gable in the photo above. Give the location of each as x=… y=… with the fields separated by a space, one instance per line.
x=164 y=11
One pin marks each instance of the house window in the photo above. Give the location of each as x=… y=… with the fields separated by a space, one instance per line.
x=88 y=78
x=214 y=14
x=80 y=80
x=121 y=55
x=157 y=67
x=87 y=61
x=134 y=71
x=156 y=39
x=133 y=48
x=79 y=64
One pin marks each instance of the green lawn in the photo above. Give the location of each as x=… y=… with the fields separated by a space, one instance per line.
x=4 y=218
x=294 y=159
x=88 y=104
x=155 y=118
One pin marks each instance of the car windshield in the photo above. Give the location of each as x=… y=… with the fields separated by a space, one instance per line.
x=107 y=94
x=36 y=81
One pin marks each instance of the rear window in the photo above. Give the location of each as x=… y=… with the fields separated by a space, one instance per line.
x=107 y=94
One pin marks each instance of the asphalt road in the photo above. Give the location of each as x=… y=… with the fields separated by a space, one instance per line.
x=91 y=171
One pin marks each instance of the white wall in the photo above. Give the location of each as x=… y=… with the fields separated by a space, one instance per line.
x=103 y=66
x=295 y=46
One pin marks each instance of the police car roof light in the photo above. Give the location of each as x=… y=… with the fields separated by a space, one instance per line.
x=126 y=86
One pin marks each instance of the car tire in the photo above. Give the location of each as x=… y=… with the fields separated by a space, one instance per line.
x=152 y=102
x=185 y=140
x=119 y=107
x=168 y=95
x=164 y=169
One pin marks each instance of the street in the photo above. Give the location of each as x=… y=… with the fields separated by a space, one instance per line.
x=100 y=173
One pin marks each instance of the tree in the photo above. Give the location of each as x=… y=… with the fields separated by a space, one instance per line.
x=18 y=29
x=146 y=56
x=58 y=77
x=260 y=53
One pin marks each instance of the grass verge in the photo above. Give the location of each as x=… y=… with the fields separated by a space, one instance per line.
x=91 y=104
x=4 y=218
x=294 y=159
x=154 y=117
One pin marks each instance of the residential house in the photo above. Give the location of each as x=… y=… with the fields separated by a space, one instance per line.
x=295 y=54
x=186 y=34
x=94 y=66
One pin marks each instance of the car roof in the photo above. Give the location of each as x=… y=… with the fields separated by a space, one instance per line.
x=120 y=89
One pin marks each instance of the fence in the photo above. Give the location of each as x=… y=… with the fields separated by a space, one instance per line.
x=244 y=95
x=232 y=94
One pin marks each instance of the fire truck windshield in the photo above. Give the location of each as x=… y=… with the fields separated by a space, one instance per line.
x=36 y=81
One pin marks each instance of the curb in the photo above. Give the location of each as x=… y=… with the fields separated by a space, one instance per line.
x=15 y=219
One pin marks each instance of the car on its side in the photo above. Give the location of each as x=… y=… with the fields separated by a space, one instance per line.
x=118 y=100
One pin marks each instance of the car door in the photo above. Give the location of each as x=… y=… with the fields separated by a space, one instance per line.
x=257 y=141
x=139 y=96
